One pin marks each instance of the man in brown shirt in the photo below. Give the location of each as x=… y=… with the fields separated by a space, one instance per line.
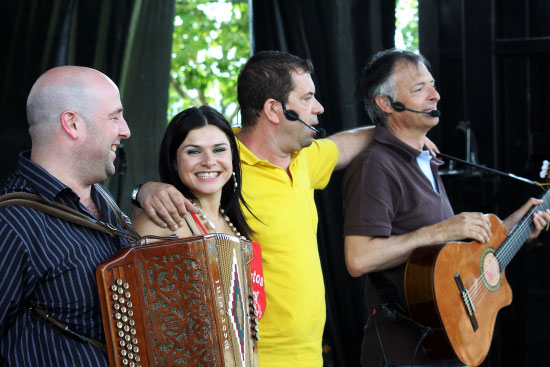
x=395 y=202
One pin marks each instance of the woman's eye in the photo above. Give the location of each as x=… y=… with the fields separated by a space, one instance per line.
x=219 y=150
x=193 y=152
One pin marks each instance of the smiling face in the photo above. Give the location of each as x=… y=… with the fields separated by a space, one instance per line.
x=415 y=88
x=204 y=162
x=106 y=128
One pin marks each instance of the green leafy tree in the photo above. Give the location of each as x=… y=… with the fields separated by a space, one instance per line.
x=210 y=45
x=406 y=24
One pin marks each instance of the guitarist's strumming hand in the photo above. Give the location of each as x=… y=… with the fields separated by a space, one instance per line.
x=463 y=226
x=540 y=218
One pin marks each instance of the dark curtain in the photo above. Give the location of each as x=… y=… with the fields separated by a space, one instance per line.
x=491 y=59
x=128 y=40
x=339 y=37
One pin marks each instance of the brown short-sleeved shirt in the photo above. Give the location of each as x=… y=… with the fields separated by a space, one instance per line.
x=386 y=193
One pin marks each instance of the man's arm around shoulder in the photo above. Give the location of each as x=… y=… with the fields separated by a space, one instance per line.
x=350 y=143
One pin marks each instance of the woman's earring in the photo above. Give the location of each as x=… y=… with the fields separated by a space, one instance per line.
x=235 y=185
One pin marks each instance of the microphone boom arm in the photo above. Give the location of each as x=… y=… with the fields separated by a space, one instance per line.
x=511 y=175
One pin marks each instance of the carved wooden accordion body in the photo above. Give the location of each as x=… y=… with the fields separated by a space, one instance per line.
x=182 y=302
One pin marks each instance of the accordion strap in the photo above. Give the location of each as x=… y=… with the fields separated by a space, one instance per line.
x=64 y=212
x=60 y=327
x=74 y=216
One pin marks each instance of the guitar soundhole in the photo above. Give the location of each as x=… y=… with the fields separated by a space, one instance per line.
x=491 y=271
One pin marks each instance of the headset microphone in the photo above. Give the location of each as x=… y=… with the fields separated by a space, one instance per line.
x=399 y=107
x=292 y=115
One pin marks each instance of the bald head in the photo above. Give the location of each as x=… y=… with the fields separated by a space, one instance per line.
x=63 y=88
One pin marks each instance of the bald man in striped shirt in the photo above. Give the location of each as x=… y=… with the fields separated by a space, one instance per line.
x=76 y=124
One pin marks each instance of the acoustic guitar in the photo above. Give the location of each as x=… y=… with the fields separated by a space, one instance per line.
x=458 y=288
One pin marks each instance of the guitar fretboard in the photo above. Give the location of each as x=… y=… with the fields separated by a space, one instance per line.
x=519 y=234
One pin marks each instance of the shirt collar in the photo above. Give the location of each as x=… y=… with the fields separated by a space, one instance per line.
x=250 y=158
x=383 y=136
x=43 y=182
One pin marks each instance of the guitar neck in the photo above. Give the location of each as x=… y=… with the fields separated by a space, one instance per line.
x=519 y=234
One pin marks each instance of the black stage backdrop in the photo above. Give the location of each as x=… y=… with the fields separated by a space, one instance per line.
x=339 y=37
x=128 y=40
x=490 y=60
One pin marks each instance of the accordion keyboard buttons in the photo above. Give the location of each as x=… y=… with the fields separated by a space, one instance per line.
x=125 y=323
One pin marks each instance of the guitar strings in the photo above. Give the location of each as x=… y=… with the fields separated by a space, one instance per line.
x=478 y=288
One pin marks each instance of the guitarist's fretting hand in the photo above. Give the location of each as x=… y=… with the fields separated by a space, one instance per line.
x=540 y=218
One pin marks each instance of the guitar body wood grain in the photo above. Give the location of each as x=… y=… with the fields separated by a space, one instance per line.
x=434 y=299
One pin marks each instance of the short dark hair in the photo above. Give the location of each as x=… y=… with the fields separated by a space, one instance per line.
x=266 y=75
x=376 y=79
x=178 y=128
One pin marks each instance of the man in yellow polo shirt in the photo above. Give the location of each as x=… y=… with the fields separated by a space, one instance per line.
x=282 y=165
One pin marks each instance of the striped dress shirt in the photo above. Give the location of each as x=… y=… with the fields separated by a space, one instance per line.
x=50 y=262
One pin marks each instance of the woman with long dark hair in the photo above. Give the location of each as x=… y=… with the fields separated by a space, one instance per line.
x=199 y=156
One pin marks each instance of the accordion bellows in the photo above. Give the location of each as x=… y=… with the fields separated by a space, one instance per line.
x=181 y=302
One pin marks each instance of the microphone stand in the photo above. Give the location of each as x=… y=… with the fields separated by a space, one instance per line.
x=511 y=175
x=122 y=165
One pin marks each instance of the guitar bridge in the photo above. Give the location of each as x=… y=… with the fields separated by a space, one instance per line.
x=468 y=304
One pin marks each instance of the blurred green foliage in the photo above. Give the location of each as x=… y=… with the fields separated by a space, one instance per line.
x=406 y=24
x=210 y=44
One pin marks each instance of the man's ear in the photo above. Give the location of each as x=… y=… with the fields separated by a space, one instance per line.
x=271 y=109
x=70 y=122
x=384 y=103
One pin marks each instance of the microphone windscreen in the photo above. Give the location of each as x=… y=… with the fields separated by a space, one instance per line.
x=321 y=133
x=435 y=113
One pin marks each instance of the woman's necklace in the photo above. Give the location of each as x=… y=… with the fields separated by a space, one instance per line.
x=212 y=227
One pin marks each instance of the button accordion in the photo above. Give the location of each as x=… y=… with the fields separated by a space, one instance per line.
x=181 y=302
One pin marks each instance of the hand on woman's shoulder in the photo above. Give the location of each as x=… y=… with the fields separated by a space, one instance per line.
x=145 y=226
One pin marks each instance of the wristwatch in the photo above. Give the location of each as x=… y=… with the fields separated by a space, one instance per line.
x=135 y=191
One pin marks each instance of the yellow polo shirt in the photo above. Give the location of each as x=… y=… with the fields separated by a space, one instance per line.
x=291 y=329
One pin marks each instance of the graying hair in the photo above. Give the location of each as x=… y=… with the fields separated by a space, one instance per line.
x=377 y=79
